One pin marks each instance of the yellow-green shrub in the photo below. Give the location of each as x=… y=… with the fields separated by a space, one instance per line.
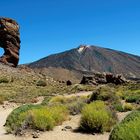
x=41 y=119
x=36 y=117
x=96 y=117
x=128 y=129
x=74 y=104
x=127 y=106
x=2 y=99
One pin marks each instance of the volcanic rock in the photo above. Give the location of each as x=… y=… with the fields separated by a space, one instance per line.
x=9 y=41
x=99 y=78
x=69 y=83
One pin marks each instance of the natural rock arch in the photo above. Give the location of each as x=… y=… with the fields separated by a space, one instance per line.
x=9 y=41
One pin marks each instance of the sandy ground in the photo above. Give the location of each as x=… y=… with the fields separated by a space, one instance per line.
x=57 y=133
x=82 y=93
x=5 y=110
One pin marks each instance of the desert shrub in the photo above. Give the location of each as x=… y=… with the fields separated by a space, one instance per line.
x=41 y=83
x=127 y=107
x=128 y=129
x=123 y=107
x=60 y=113
x=41 y=119
x=36 y=117
x=75 y=107
x=46 y=118
x=104 y=93
x=78 y=87
x=4 y=80
x=96 y=117
x=120 y=94
x=132 y=96
x=74 y=104
x=58 y=99
x=118 y=107
x=133 y=86
x=14 y=120
x=107 y=94
x=46 y=100
x=2 y=99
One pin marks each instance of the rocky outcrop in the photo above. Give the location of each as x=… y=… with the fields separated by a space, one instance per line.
x=104 y=78
x=9 y=41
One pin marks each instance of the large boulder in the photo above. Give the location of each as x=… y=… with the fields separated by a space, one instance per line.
x=118 y=79
x=88 y=80
x=102 y=78
x=9 y=41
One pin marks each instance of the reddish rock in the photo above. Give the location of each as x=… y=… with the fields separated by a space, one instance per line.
x=9 y=41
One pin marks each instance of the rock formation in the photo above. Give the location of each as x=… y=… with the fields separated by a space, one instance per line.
x=99 y=78
x=9 y=41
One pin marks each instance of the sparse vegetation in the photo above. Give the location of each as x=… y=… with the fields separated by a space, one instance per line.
x=127 y=107
x=118 y=107
x=4 y=80
x=128 y=129
x=74 y=104
x=36 y=117
x=96 y=118
x=104 y=93
x=41 y=83
x=108 y=98
x=2 y=99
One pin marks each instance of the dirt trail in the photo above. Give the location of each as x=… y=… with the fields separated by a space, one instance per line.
x=4 y=112
x=82 y=93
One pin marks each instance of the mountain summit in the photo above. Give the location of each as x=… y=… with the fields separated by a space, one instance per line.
x=88 y=58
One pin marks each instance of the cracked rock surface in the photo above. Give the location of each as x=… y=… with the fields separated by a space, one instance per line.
x=9 y=41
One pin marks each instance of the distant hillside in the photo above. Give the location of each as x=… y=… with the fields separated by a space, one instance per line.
x=88 y=59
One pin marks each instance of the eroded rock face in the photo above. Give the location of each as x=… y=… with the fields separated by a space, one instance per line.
x=105 y=78
x=9 y=41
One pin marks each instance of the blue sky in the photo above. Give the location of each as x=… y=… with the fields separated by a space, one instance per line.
x=52 y=26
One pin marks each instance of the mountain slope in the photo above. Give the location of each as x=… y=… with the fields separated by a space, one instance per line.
x=93 y=59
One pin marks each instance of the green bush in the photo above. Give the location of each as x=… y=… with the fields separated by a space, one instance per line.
x=123 y=107
x=104 y=93
x=75 y=107
x=41 y=83
x=46 y=100
x=36 y=117
x=15 y=119
x=74 y=104
x=128 y=129
x=118 y=107
x=4 y=80
x=127 y=107
x=96 y=118
x=132 y=96
x=132 y=99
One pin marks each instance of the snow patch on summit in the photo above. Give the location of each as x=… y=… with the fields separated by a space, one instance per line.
x=82 y=48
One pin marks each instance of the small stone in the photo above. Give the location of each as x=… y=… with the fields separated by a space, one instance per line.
x=74 y=113
x=68 y=127
x=64 y=129
x=35 y=135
